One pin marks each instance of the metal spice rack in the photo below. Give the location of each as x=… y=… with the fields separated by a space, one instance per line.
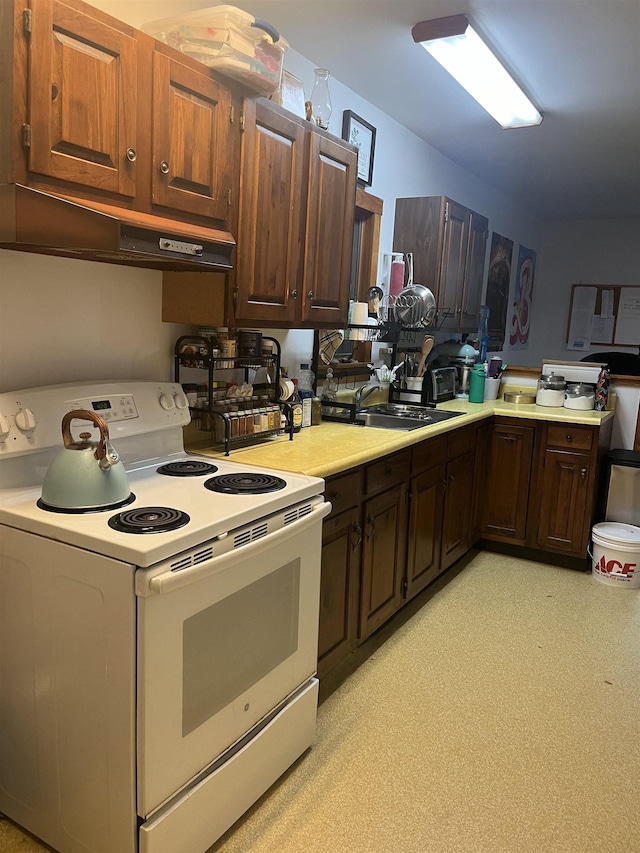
x=245 y=424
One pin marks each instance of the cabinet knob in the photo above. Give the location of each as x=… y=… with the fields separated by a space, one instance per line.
x=583 y=473
x=164 y=167
x=294 y=293
x=357 y=532
x=569 y=437
x=335 y=496
x=372 y=527
x=310 y=294
x=131 y=154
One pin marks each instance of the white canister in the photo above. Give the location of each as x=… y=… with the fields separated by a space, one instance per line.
x=579 y=395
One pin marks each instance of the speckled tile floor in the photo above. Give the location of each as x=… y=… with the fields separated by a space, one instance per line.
x=504 y=717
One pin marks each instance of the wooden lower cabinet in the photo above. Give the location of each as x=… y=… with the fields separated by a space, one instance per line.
x=425 y=529
x=567 y=490
x=506 y=498
x=384 y=544
x=339 y=589
x=458 y=500
x=399 y=522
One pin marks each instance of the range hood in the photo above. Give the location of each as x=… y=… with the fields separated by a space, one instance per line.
x=35 y=221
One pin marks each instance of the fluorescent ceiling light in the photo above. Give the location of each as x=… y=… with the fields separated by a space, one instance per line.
x=459 y=49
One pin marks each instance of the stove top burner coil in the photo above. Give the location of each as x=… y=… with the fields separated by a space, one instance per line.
x=188 y=468
x=149 y=519
x=245 y=484
x=82 y=510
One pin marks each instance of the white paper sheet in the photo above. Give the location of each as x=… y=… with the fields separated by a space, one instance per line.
x=628 y=323
x=583 y=309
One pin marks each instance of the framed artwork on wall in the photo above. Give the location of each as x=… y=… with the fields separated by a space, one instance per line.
x=360 y=133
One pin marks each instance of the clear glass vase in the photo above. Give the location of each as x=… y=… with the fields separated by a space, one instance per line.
x=321 y=99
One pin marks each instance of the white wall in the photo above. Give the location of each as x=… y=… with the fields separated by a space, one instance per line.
x=587 y=252
x=62 y=320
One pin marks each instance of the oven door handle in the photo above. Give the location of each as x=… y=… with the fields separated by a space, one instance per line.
x=167 y=582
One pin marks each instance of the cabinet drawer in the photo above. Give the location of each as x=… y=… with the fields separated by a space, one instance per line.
x=388 y=472
x=343 y=491
x=428 y=453
x=460 y=441
x=570 y=437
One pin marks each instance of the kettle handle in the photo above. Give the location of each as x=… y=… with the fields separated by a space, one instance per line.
x=86 y=415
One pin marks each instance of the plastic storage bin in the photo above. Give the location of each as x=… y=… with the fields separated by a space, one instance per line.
x=228 y=40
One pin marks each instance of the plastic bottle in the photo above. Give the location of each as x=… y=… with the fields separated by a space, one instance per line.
x=476 y=384
x=316 y=411
x=305 y=389
x=329 y=390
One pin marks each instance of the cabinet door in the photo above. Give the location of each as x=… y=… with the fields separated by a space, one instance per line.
x=331 y=204
x=468 y=309
x=452 y=265
x=425 y=528
x=339 y=589
x=82 y=96
x=456 y=527
x=417 y=229
x=270 y=230
x=383 y=558
x=564 y=520
x=191 y=140
x=506 y=496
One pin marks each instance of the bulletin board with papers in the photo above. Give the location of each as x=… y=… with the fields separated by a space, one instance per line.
x=603 y=314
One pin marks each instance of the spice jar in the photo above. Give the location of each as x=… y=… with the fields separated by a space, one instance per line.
x=551 y=390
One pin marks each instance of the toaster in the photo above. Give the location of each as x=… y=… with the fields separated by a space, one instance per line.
x=439 y=384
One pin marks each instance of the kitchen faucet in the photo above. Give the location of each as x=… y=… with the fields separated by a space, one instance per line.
x=364 y=391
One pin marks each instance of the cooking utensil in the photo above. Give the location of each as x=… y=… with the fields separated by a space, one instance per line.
x=427 y=345
x=85 y=474
x=374 y=295
x=415 y=306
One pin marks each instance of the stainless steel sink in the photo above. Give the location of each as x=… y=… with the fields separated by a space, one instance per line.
x=399 y=417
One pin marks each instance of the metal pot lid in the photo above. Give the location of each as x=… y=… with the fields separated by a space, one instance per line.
x=415 y=306
x=580 y=389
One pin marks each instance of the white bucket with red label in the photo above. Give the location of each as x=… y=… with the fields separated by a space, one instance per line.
x=616 y=554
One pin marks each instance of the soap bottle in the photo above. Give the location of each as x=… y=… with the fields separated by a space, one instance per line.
x=476 y=384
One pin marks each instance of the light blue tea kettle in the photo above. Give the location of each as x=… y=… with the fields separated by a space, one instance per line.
x=86 y=474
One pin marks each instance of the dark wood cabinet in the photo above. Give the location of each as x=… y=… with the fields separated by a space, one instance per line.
x=448 y=242
x=384 y=545
x=458 y=495
x=295 y=231
x=192 y=152
x=340 y=577
x=567 y=489
x=110 y=118
x=82 y=89
x=506 y=495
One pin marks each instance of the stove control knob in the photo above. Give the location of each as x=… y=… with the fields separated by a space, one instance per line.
x=25 y=420
x=4 y=427
x=166 y=401
x=180 y=400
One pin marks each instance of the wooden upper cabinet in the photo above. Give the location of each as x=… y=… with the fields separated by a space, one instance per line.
x=296 y=215
x=329 y=230
x=82 y=100
x=455 y=225
x=468 y=308
x=448 y=242
x=270 y=228
x=191 y=168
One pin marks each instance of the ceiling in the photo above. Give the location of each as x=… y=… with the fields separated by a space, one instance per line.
x=579 y=61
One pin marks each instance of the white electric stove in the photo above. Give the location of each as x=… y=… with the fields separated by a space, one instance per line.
x=166 y=648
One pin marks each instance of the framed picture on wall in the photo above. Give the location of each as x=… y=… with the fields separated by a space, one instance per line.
x=360 y=133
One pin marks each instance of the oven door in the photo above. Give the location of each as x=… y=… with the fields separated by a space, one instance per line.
x=221 y=644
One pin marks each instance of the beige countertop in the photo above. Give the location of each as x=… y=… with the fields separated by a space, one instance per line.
x=330 y=448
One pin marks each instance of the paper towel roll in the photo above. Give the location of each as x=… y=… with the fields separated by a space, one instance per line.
x=286 y=387
x=360 y=313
